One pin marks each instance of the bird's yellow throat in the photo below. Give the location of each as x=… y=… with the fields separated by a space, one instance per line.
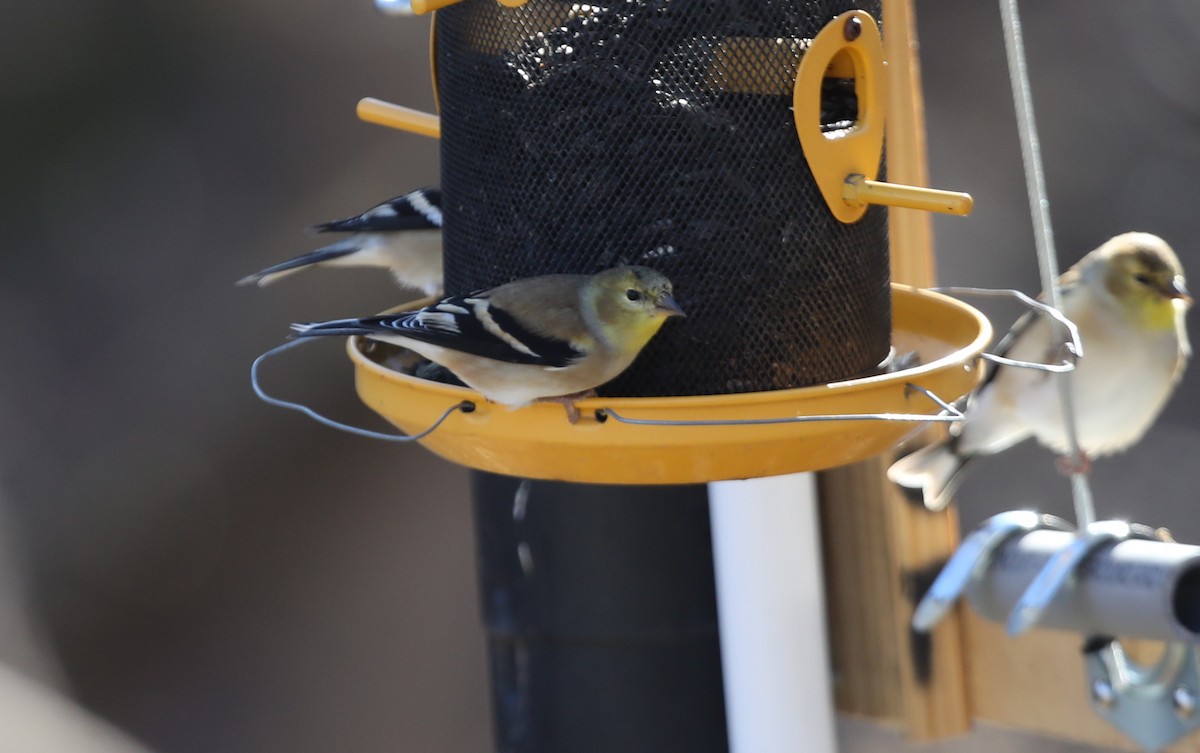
x=1156 y=314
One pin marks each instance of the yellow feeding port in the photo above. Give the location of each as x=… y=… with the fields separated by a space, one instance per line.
x=537 y=441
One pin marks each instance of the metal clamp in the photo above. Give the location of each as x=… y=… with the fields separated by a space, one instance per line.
x=1061 y=567
x=1153 y=706
x=1110 y=578
x=972 y=559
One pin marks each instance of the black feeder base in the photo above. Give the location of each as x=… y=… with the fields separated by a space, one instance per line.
x=601 y=611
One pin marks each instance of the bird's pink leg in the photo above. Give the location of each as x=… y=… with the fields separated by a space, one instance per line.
x=1069 y=466
x=568 y=402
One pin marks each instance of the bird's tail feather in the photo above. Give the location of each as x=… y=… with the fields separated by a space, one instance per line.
x=936 y=470
x=275 y=271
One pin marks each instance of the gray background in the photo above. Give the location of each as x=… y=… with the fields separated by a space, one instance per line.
x=211 y=574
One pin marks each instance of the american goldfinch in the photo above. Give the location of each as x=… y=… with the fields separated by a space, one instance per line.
x=403 y=235
x=539 y=338
x=1128 y=300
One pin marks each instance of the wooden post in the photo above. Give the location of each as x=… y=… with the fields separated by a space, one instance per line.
x=882 y=551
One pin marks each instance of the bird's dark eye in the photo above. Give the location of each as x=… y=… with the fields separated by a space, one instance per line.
x=633 y=295
x=1142 y=279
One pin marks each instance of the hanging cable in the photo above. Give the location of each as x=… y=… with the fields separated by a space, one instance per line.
x=1039 y=206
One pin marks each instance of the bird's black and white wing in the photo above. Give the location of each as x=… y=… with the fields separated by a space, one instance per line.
x=468 y=324
x=402 y=235
x=416 y=210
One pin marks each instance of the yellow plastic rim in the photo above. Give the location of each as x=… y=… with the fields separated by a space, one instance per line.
x=538 y=442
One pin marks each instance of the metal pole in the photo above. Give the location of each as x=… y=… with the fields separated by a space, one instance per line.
x=1039 y=207
x=1134 y=588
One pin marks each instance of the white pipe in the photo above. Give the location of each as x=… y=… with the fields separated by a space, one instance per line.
x=771 y=607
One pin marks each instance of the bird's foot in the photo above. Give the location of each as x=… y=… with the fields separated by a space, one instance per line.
x=1069 y=466
x=568 y=403
x=904 y=361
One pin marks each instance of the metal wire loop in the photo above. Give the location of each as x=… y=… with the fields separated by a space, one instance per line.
x=466 y=406
x=1073 y=345
x=950 y=414
x=1053 y=368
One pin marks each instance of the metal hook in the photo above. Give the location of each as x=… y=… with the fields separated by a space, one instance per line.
x=466 y=406
x=1062 y=566
x=972 y=559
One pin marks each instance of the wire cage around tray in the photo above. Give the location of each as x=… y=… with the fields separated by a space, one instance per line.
x=693 y=439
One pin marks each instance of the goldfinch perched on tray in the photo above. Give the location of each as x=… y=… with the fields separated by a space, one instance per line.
x=554 y=337
x=402 y=235
x=1128 y=300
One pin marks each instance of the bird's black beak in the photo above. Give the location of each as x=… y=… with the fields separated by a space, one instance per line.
x=669 y=306
x=1178 y=290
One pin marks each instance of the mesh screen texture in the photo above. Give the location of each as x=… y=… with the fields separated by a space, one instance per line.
x=659 y=132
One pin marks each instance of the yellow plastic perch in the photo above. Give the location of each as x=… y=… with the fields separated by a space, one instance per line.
x=538 y=442
x=857 y=191
x=421 y=7
x=377 y=111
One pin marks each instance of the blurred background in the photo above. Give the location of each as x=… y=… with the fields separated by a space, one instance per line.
x=207 y=573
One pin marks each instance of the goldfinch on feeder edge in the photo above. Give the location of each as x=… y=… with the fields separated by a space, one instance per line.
x=402 y=235
x=538 y=338
x=1128 y=300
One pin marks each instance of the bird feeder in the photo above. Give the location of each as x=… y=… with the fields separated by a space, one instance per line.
x=737 y=150
x=737 y=147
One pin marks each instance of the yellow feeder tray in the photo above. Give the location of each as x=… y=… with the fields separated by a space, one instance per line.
x=538 y=442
